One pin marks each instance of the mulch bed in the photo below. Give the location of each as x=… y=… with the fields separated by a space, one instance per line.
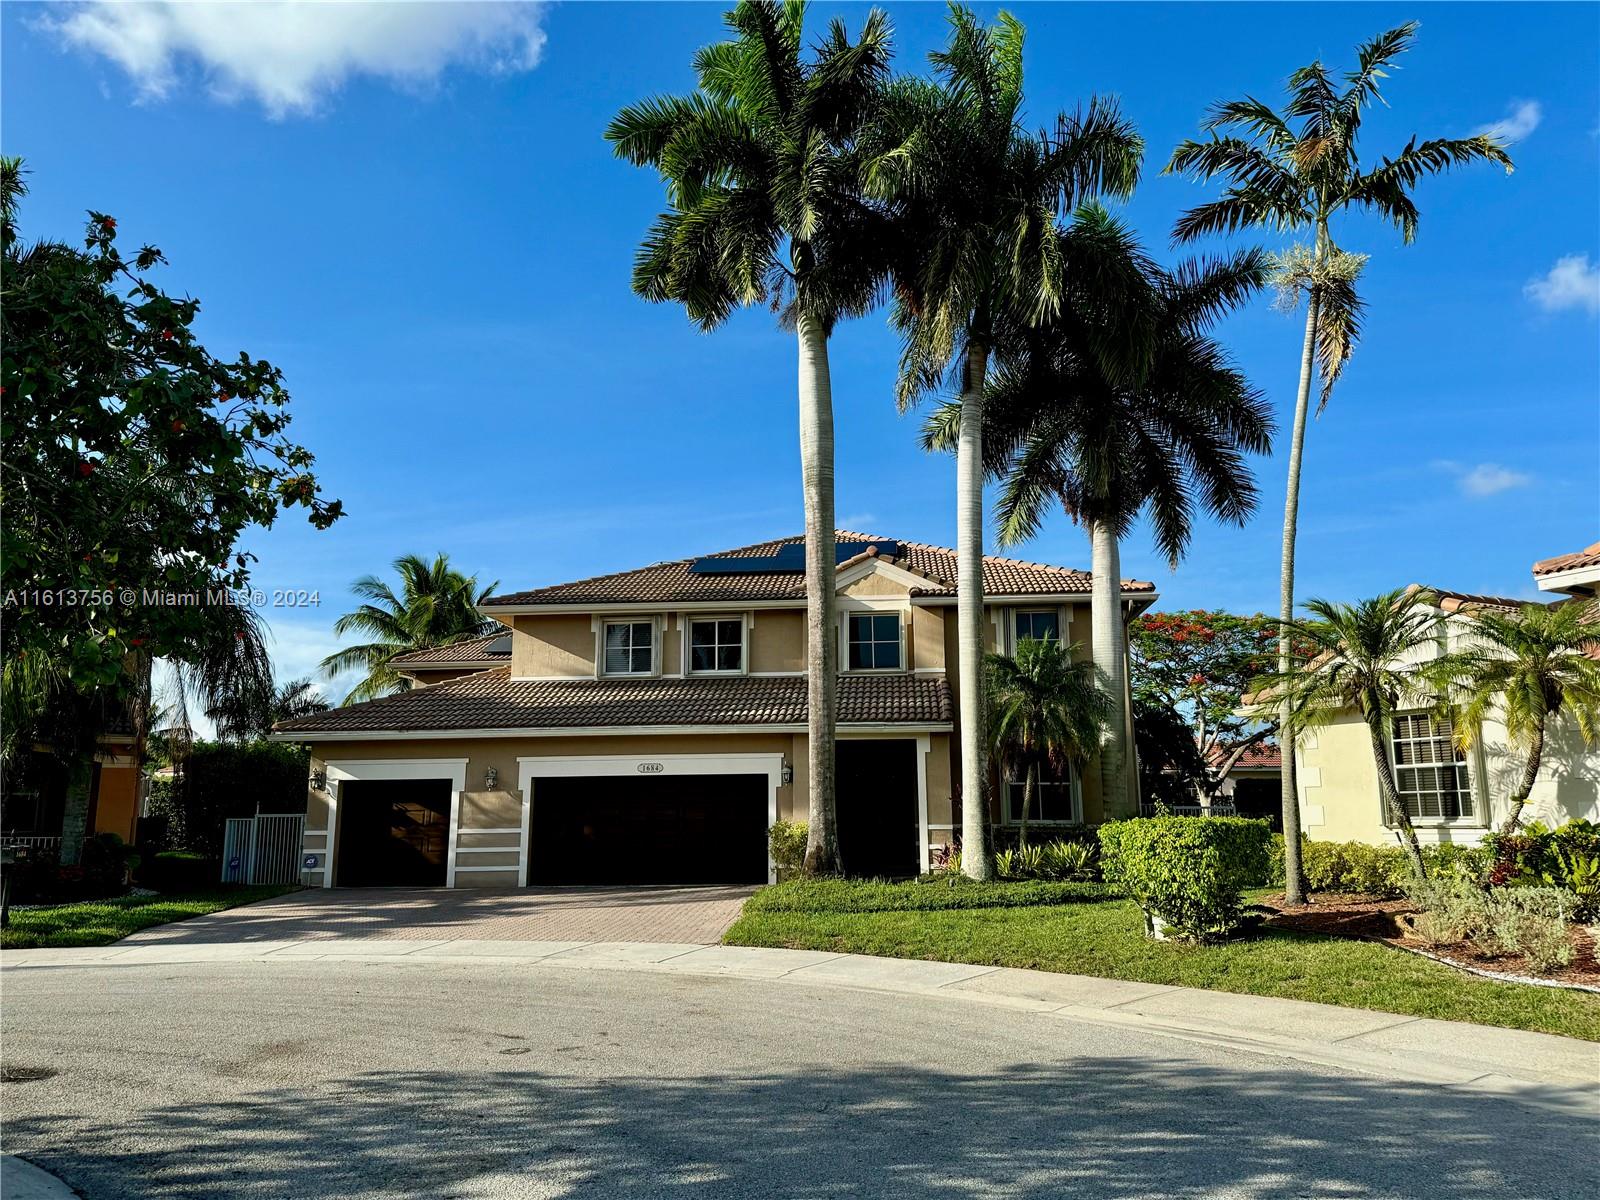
x=1364 y=917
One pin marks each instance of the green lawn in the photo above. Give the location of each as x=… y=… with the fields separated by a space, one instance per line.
x=1105 y=937
x=99 y=922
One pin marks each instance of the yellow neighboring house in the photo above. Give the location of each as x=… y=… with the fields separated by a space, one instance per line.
x=1451 y=795
x=649 y=726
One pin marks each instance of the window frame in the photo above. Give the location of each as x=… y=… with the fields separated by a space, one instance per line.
x=605 y=623
x=1074 y=786
x=1461 y=761
x=1054 y=611
x=693 y=619
x=844 y=640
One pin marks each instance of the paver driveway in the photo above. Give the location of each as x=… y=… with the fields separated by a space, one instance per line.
x=628 y=914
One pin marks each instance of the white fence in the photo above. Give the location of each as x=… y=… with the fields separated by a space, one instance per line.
x=264 y=848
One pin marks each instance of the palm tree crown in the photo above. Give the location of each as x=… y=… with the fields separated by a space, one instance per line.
x=437 y=605
x=1529 y=668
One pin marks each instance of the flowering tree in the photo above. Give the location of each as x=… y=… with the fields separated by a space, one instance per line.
x=1195 y=666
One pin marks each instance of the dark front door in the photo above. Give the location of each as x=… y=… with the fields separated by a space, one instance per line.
x=650 y=829
x=878 y=822
x=393 y=833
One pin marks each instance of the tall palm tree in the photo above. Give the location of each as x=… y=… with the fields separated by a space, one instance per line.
x=1362 y=656
x=1298 y=171
x=765 y=207
x=1045 y=709
x=437 y=605
x=1120 y=405
x=976 y=197
x=1531 y=668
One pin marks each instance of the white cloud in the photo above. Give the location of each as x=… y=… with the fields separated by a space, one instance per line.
x=1485 y=479
x=1517 y=124
x=857 y=522
x=290 y=56
x=1571 y=283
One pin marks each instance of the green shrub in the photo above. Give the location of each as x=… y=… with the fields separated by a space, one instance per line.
x=1381 y=871
x=1067 y=860
x=786 y=841
x=1526 y=921
x=1186 y=872
x=931 y=893
x=227 y=779
x=174 y=871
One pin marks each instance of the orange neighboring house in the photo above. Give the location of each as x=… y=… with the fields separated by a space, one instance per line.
x=34 y=809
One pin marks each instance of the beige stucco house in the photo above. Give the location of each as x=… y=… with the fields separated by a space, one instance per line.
x=649 y=726
x=1451 y=795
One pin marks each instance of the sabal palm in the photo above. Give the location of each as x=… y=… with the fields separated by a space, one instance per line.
x=976 y=197
x=1045 y=709
x=764 y=207
x=1529 y=668
x=1299 y=170
x=436 y=605
x=1120 y=405
x=1370 y=657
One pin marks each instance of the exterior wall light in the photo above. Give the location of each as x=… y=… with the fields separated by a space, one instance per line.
x=319 y=781
x=491 y=777
x=787 y=775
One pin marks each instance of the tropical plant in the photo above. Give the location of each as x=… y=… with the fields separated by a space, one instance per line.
x=975 y=198
x=436 y=606
x=1122 y=404
x=1298 y=171
x=1045 y=711
x=764 y=207
x=1361 y=657
x=1531 y=668
x=1187 y=874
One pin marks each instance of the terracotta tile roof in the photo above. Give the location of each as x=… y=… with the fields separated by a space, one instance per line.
x=1589 y=556
x=667 y=582
x=473 y=650
x=493 y=700
x=1466 y=601
x=1263 y=756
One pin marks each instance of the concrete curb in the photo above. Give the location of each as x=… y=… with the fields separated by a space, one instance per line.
x=1558 y=1072
x=21 y=1180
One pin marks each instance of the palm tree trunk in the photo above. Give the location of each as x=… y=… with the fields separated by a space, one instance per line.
x=1391 y=801
x=822 y=639
x=976 y=860
x=1030 y=789
x=75 y=809
x=1524 y=788
x=1105 y=621
x=1294 y=888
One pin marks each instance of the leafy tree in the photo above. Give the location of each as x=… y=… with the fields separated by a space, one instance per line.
x=975 y=198
x=251 y=715
x=1197 y=665
x=1170 y=767
x=1045 y=710
x=436 y=606
x=1532 y=668
x=1122 y=404
x=134 y=460
x=1361 y=657
x=765 y=207
x=1296 y=171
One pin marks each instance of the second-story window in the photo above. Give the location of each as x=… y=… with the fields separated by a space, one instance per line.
x=630 y=647
x=874 y=641
x=1042 y=626
x=716 y=645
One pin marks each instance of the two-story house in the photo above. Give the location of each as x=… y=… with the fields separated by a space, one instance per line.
x=650 y=725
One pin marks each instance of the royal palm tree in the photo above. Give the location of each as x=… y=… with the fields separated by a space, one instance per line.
x=1297 y=171
x=437 y=606
x=764 y=207
x=1045 y=710
x=1120 y=405
x=976 y=198
x=1367 y=657
x=1530 y=669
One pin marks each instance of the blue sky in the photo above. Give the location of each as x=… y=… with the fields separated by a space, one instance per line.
x=412 y=212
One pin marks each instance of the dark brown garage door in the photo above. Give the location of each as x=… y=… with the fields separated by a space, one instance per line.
x=393 y=833
x=879 y=828
x=641 y=829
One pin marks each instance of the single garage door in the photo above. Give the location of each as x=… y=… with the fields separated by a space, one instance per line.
x=393 y=833
x=650 y=829
x=879 y=828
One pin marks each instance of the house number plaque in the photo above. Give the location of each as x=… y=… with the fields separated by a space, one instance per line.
x=651 y=768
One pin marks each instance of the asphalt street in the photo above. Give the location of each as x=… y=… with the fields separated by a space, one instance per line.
x=278 y=1078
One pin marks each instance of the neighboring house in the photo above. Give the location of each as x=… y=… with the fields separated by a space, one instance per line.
x=34 y=810
x=1254 y=784
x=1451 y=795
x=650 y=725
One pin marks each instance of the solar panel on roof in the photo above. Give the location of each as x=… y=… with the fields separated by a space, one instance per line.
x=789 y=560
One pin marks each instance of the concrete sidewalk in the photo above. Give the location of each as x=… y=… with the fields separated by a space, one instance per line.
x=1536 y=1067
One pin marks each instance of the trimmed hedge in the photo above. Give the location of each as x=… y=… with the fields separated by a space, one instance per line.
x=1189 y=873
x=786 y=841
x=1381 y=871
x=932 y=893
x=226 y=779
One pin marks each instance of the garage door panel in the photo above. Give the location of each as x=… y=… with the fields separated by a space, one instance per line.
x=880 y=834
x=671 y=829
x=393 y=833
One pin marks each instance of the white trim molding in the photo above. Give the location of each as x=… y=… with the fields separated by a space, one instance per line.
x=428 y=735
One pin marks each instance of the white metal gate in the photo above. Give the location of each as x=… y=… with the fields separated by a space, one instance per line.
x=264 y=848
